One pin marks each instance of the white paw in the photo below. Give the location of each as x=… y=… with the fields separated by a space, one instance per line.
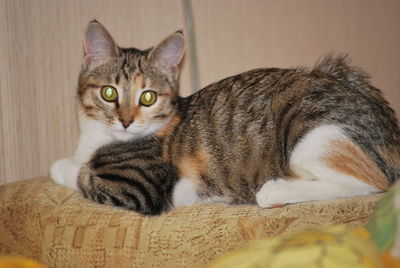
x=185 y=193
x=65 y=172
x=274 y=193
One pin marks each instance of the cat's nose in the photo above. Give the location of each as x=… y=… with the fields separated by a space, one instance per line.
x=125 y=123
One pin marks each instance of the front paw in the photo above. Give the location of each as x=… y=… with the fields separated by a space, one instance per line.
x=274 y=193
x=65 y=172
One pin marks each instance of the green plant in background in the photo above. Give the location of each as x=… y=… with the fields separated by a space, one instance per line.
x=384 y=227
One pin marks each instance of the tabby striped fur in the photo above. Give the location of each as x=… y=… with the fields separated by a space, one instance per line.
x=131 y=175
x=267 y=136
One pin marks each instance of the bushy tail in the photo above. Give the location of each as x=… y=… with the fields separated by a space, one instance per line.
x=338 y=67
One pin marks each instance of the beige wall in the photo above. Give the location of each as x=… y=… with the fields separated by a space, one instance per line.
x=41 y=40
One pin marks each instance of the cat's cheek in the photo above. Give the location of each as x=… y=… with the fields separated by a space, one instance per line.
x=65 y=172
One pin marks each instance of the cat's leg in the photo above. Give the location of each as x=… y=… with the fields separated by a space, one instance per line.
x=93 y=135
x=185 y=193
x=327 y=165
x=65 y=172
x=278 y=192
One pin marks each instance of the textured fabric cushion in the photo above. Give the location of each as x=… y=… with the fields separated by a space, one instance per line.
x=58 y=227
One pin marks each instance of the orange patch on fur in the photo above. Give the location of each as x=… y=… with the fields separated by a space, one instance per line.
x=167 y=129
x=346 y=157
x=88 y=108
x=193 y=166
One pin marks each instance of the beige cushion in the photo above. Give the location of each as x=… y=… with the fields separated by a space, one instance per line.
x=58 y=227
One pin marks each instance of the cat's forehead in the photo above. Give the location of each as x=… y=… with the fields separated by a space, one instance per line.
x=135 y=71
x=130 y=71
x=133 y=60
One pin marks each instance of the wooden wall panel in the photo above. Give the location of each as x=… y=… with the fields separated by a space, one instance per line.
x=234 y=36
x=41 y=48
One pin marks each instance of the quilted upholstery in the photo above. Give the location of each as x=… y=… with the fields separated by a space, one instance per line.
x=49 y=223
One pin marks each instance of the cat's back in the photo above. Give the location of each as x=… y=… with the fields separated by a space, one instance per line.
x=331 y=92
x=246 y=126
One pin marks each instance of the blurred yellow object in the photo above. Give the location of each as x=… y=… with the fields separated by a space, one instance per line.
x=336 y=246
x=18 y=262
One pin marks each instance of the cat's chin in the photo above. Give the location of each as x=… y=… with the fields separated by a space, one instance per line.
x=124 y=135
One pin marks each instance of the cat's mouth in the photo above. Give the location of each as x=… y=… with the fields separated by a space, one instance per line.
x=123 y=134
x=135 y=131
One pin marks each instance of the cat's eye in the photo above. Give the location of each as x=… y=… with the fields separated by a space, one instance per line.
x=109 y=93
x=148 y=98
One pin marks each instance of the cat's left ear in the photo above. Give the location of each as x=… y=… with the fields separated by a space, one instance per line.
x=168 y=54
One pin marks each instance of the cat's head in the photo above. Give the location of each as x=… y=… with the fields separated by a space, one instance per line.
x=133 y=92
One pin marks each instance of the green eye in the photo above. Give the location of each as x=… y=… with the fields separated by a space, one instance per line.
x=109 y=93
x=148 y=98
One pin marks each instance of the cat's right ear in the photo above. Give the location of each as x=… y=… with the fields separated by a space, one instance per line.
x=98 y=46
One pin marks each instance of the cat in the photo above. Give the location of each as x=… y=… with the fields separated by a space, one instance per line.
x=267 y=136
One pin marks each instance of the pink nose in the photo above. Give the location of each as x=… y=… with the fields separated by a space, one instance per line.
x=125 y=123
